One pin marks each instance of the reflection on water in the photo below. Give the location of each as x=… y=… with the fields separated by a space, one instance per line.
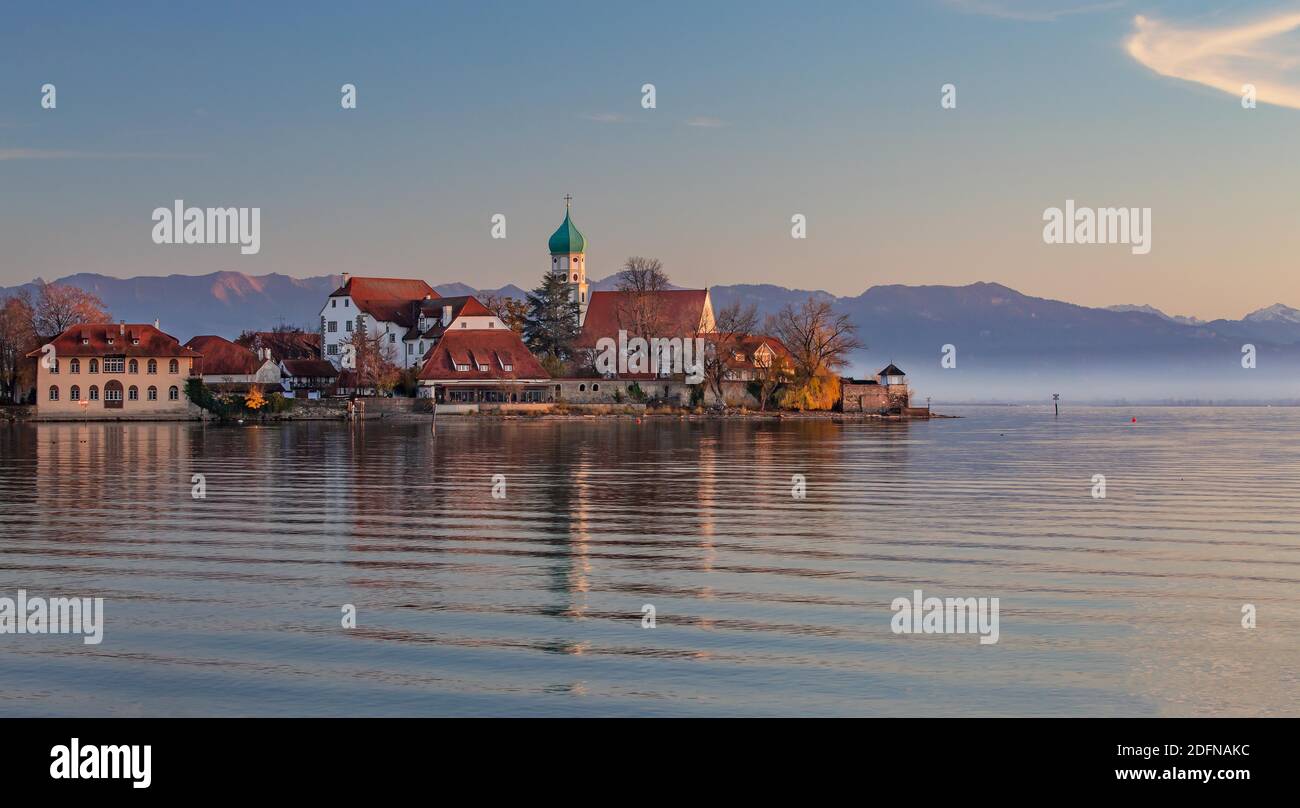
x=766 y=604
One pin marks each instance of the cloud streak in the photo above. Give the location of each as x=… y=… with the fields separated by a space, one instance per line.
x=64 y=154
x=1225 y=58
x=1030 y=10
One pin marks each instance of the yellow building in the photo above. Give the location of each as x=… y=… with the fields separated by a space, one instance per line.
x=113 y=370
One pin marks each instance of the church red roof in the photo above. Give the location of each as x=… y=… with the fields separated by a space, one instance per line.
x=680 y=313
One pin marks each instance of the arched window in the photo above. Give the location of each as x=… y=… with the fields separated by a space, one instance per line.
x=133 y=366
x=153 y=366
x=74 y=366
x=133 y=394
x=54 y=366
x=595 y=388
x=173 y=366
x=174 y=393
x=54 y=393
x=94 y=366
x=94 y=393
x=582 y=388
x=153 y=393
x=75 y=393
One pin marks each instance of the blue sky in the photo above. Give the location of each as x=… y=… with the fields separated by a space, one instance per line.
x=763 y=110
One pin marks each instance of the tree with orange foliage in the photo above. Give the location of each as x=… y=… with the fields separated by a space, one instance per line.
x=255 y=400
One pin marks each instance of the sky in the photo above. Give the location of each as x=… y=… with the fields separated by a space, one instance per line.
x=763 y=110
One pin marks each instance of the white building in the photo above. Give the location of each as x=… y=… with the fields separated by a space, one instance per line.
x=406 y=314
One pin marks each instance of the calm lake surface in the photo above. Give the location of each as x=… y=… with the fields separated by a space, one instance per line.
x=765 y=604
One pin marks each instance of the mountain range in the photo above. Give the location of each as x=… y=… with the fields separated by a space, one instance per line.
x=1008 y=346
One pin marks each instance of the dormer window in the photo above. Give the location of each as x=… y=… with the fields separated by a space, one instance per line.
x=482 y=368
x=85 y=341
x=110 y=340
x=507 y=368
x=462 y=368
x=135 y=342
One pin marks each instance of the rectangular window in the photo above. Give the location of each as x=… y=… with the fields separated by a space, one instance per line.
x=332 y=350
x=333 y=326
x=348 y=325
x=462 y=368
x=392 y=339
x=410 y=348
x=333 y=303
x=114 y=364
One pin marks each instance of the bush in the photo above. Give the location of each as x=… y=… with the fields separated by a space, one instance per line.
x=821 y=392
x=635 y=393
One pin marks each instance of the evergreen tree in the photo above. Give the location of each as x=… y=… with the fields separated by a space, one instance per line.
x=552 y=324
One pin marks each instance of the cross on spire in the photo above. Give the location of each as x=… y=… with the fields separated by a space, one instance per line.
x=567 y=199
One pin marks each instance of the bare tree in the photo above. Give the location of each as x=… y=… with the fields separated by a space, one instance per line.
x=770 y=376
x=59 y=306
x=642 y=275
x=374 y=360
x=641 y=312
x=819 y=340
x=732 y=326
x=512 y=312
x=16 y=340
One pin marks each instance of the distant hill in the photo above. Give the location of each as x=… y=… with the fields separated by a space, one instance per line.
x=1009 y=345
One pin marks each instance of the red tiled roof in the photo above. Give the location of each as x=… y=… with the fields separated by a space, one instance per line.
x=387 y=299
x=309 y=368
x=472 y=346
x=466 y=305
x=221 y=357
x=680 y=312
x=124 y=336
x=289 y=344
x=746 y=345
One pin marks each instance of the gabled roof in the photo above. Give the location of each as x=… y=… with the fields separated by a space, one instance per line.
x=289 y=344
x=747 y=345
x=390 y=300
x=479 y=346
x=309 y=368
x=221 y=357
x=680 y=314
x=96 y=336
x=461 y=306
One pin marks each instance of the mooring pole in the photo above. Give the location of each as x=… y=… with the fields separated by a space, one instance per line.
x=1056 y=402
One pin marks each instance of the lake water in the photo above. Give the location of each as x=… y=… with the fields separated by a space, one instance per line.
x=765 y=604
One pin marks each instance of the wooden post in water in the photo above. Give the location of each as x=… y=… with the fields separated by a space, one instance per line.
x=1056 y=402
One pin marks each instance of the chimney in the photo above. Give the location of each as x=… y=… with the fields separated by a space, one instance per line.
x=155 y=322
x=446 y=316
x=346 y=277
x=121 y=328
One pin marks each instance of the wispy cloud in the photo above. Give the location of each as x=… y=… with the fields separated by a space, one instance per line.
x=64 y=154
x=1031 y=10
x=603 y=117
x=1225 y=57
x=705 y=122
